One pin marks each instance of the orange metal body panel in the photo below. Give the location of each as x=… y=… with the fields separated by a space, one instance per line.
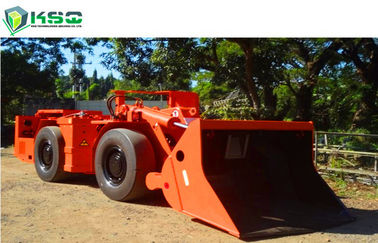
x=26 y=129
x=198 y=198
x=24 y=149
x=23 y=139
x=176 y=136
x=73 y=127
x=79 y=136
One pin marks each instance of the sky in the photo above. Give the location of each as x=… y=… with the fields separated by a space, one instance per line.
x=95 y=61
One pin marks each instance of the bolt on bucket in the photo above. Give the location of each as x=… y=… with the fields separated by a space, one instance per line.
x=249 y=178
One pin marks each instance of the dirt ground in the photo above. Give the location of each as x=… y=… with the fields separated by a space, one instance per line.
x=77 y=211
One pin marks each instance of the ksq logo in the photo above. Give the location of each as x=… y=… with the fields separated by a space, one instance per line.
x=56 y=17
x=16 y=19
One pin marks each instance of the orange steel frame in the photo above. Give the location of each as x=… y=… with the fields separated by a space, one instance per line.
x=182 y=180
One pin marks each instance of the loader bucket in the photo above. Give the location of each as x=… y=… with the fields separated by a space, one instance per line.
x=251 y=178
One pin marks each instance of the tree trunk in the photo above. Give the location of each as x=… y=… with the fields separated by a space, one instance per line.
x=270 y=102
x=363 y=117
x=367 y=68
x=251 y=85
x=247 y=46
x=313 y=67
x=304 y=103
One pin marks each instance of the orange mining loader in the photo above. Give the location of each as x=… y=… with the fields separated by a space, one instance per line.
x=248 y=178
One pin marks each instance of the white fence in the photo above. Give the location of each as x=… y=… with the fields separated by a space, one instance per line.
x=324 y=148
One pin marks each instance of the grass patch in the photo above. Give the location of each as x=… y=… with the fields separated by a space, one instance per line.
x=353 y=190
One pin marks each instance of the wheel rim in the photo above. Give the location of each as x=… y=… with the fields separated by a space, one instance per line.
x=46 y=154
x=114 y=165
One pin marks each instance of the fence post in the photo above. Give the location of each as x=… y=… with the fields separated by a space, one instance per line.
x=375 y=166
x=316 y=148
x=325 y=139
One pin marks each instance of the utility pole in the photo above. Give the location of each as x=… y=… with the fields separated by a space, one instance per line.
x=77 y=82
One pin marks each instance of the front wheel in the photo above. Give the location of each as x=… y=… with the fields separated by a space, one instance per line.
x=123 y=159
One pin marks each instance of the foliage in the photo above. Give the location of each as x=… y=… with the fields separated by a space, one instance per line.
x=304 y=67
x=363 y=53
x=333 y=82
x=94 y=91
x=336 y=98
x=126 y=85
x=208 y=91
x=20 y=78
x=31 y=67
x=356 y=143
x=61 y=85
x=285 y=102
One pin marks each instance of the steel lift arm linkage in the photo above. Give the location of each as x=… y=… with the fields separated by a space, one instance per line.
x=248 y=178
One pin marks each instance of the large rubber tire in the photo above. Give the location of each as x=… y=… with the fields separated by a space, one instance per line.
x=49 y=154
x=123 y=159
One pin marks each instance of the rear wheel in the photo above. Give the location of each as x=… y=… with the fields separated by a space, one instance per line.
x=49 y=154
x=123 y=159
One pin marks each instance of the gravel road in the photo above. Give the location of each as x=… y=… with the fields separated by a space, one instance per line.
x=77 y=211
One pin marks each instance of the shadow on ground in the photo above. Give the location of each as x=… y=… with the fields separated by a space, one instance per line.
x=153 y=198
x=366 y=223
x=81 y=179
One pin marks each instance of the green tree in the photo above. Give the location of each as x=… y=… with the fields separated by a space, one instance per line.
x=336 y=97
x=21 y=78
x=93 y=84
x=364 y=55
x=131 y=57
x=207 y=91
x=62 y=85
x=307 y=58
x=25 y=59
x=107 y=84
x=77 y=73
x=151 y=62
x=290 y=79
